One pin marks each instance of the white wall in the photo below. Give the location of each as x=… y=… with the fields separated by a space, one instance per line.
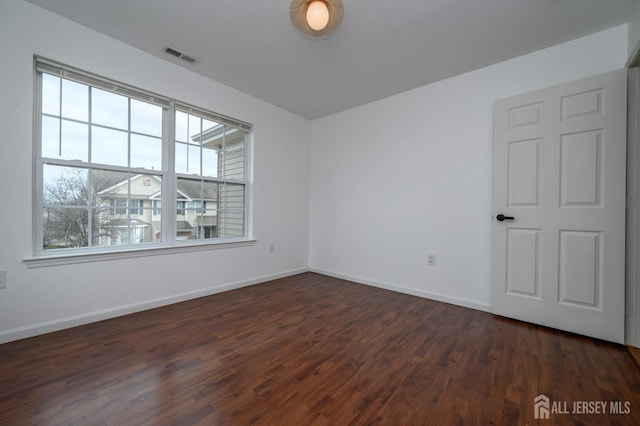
x=412 y=174
x=38 y=300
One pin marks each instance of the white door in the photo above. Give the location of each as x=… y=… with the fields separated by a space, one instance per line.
x=559 y=184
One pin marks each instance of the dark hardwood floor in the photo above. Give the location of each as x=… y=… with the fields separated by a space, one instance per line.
x=311 y=350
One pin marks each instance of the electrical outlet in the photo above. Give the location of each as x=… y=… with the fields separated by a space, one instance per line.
x=431 y=259
x=3 y=279
x=272 y=248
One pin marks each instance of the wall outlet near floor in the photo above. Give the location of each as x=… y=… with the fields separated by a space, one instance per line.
x=3 y=279
x=272 y=248
x=431 y=259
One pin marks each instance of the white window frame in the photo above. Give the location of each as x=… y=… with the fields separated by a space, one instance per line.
x=169 y=243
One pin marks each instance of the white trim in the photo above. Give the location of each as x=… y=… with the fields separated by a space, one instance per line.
x=467 y=303
x=66 y=258
x=632 y=295
x=89 y=317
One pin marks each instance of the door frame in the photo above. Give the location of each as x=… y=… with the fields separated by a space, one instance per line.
x=632 y=292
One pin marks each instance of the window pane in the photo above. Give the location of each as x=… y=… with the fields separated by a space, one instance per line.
x=65 y=228
x=156 y=208
x=231 y=213
x=231 y=223
x=195 y=128
x=75 y=141
x=200 y=212
x=109 y=109
x=126 y=210
x=50 y=94
x=187 y=157
x=189 y=189
x=115 y=231
x=146 y=187
x=213 y=135
x=193 y=165
x=233 y=164
x=196 y=206
x=209 y=129
x=210 y=161
x=208 y=221
x=182 y=132
x=109 y=146
x=65 y=186
x=156 y=225
x=184 y=228
x=146 y=118
x=231 y=196
x=210 y=194
x=146 y=152
x=181 y=158
x=109 y=187
x=233 y=157
x=205 y=224
x=50 y=137
x=75 y=100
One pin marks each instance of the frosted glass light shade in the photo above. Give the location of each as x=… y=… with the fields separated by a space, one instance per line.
x=318 y=15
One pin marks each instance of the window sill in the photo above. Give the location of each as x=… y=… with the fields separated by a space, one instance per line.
x=127 y=253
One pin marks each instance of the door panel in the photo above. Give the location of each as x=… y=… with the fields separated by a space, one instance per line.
x=580 y=254
x=523 y=170
x=559 y=171
x=523 y=261
x=580 y=171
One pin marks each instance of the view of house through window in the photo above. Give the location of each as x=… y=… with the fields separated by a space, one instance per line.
x=103 y=178
x=213 y=203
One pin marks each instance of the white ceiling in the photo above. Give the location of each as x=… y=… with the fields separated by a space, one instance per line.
x=383 y=47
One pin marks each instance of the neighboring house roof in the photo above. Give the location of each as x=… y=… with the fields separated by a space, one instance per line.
x=104 y=181
x=109 y=182
x=109 y=185
x=217 y=134
x=190 y=189
x=183 y=225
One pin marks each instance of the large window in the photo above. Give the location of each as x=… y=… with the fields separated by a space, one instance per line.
x=111 y=159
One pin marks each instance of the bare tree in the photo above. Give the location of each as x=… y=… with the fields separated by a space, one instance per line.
x=74 y=208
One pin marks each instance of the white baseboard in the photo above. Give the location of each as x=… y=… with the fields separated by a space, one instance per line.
x=407 y=290
x=89 y=317
x=77 y=320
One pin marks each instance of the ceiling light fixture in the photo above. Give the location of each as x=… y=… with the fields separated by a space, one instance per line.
x=316 y=17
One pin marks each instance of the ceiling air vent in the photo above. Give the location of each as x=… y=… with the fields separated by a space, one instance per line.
x=181 y=55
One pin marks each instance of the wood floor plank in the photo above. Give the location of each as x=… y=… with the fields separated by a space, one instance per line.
x=310 y=349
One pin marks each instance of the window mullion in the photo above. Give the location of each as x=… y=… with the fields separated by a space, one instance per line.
x=59 y=115
x=89 y=208
x=90 y=172
x=169 y=190
x=129 y=200
x=38 y=194
x=247 y=183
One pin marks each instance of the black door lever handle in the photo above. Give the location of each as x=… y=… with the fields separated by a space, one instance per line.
x=502 y=217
